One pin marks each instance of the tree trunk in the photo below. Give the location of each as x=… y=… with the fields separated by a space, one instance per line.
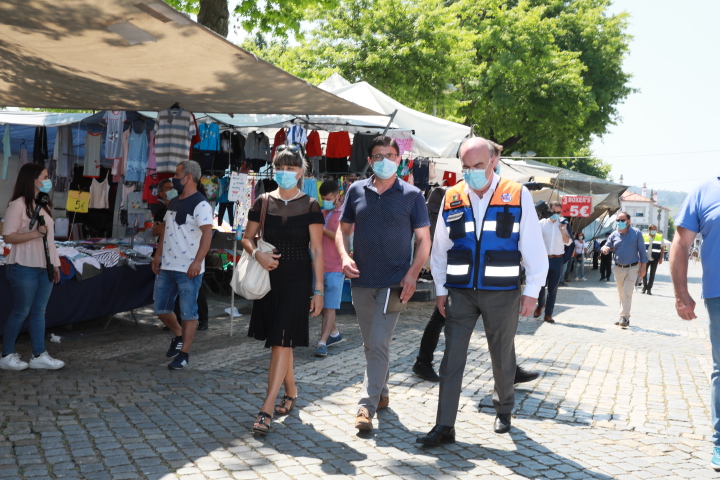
x=215 y=15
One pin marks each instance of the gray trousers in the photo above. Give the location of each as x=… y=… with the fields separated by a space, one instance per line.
x=377 y=330
x=500 y=312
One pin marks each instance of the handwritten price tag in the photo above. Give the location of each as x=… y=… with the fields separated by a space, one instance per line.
x=236 y=189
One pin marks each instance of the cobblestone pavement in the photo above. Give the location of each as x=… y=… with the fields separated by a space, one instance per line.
x=609 y=404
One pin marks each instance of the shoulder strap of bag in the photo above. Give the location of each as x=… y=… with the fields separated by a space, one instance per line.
x=263 y=212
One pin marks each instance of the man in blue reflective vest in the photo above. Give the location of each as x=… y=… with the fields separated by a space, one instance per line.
x=487 y=231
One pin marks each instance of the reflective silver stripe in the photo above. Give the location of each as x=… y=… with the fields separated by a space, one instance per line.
x=469 y=227
x=458 y=269
x=491 y=226
x=502 y=271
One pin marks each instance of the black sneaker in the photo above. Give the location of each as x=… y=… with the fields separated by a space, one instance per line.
x=522 y=375
x=175 y=345
x=180 y=361
x=426 y=372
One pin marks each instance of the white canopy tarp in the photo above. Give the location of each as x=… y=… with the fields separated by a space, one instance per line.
x=433 y=137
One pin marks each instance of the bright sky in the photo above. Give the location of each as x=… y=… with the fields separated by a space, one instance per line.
x=674 y=61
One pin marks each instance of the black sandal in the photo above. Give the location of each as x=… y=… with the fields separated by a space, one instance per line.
x=261 y=421
x=283 y=405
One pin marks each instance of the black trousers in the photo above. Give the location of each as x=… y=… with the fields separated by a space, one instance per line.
x=651 y=268
x=605 y=266
x=596 y=257
x=430 y=337
x=202 y=306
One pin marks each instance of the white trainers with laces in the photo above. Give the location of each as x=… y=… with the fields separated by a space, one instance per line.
x=12 y=362
x=46 y=362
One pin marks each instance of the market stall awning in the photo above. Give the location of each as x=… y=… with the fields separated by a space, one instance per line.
x=140 y=55
x=41 y=119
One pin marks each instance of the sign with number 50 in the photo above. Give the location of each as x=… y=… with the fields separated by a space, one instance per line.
x=576 y=206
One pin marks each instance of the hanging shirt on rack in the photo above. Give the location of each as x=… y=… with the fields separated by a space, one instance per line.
x=93 y=146
x=137 y=156
x=151 y=151
x=120 y=164
x=151 y=186
x=40 y=146
x=310 y=187
x=173 y=130
x=405 y=144
x=297 y=134
x=280 y=139
x=338 y=145
x=99 y=193
x=257 y=146
x=209 y=137
x=313 y=147
x=212 y=187
x=113 y=138
x=224 y=188
x=361 y=143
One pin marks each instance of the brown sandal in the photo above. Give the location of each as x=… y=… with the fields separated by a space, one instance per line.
x=261 y=421
x=283 y=405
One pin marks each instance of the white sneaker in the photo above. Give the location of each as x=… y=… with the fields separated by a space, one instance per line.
x=584 y=279
x=576 y=279
x=12 y=362
x=46 y=362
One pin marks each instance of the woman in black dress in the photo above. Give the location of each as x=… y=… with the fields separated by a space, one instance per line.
x=294 y=225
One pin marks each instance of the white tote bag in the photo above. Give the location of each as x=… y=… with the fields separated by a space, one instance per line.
x=250 y=280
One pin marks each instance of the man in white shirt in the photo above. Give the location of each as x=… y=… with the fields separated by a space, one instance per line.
x=556 y=237
x=179 y=261
x=486 y=229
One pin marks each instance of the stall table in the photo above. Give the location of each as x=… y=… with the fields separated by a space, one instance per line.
x=115 y=290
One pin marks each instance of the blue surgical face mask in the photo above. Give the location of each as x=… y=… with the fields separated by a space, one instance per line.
x=170 y=194
x=286 y=180
x=621 y=225
x=46 y=186
x=497 y=169
x=555 y=217
x=476 y=179
x=653 y=232
x=385 y=168
x=177 y=184
x=328 y=204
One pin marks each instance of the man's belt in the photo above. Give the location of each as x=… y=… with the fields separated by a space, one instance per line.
x=555 y=256
x=626 y=266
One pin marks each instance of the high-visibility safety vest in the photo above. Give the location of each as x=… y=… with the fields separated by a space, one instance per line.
x=656 y=245
x=492 y=261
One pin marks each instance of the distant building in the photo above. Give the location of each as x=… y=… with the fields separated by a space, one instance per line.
x=644 y=211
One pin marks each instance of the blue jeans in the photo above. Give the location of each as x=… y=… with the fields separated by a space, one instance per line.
x=713 y=308
x=30 y=289
x=167 y=287
x=555 y=269
x=580 y=259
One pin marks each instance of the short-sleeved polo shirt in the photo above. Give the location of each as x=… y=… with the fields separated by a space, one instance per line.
x=700 y=213
x=384 y=226
x=629 y=246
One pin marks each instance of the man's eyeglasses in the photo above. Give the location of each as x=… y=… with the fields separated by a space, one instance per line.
x=379 y=156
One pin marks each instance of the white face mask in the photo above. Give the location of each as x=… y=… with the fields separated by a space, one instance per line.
x=653 y=232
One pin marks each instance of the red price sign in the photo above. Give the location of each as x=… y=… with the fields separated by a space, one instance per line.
x=576 y=206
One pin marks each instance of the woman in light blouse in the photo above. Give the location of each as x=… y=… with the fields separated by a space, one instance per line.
x=26 y=269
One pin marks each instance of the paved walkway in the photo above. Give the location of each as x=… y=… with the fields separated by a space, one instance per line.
x=609 y=404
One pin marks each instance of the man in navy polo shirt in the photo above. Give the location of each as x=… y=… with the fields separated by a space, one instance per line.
x=628 y=246
x=700 y=213
x=386 y=212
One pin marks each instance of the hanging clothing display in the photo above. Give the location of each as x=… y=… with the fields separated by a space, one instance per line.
x=405 y=144
x=209 y=137
x=113 y=139
x=99 y=193
x=151 y=151
x=360 y=145
x=6 y=152
x=338 y=145
x=313 y=147
x=195 y=138
x=173 y=130
x=23 y=154
x=40 y=146
x=64 y=151
x=297 y=134
x=93 y=146
x=126 y=189
x=120 y=164
x=421 y=173
x=137 y=156
x=212 y=187
x=233 y=143
x=310 y=187
x=257 y=146
x=150 y=191
x=280 y=139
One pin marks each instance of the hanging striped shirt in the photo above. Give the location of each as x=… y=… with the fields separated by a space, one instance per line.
x=172 y=138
